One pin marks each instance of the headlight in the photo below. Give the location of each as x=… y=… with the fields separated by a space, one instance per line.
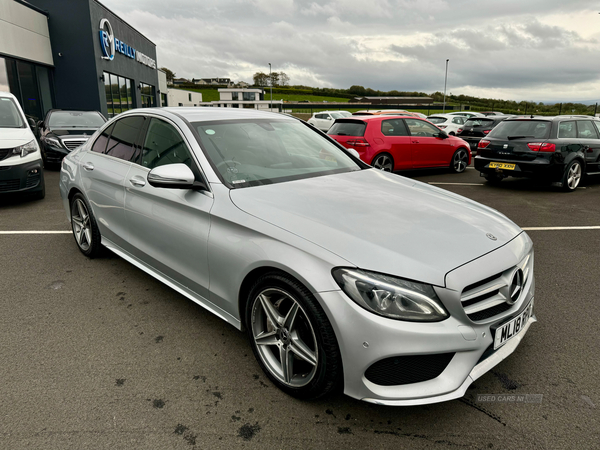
x=25 y=149
x=390 y=296
x=53 y=141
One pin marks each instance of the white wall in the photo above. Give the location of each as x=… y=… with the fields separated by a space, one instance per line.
x=177 y=96
x=24 y=33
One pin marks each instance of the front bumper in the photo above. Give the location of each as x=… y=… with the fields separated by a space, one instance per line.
x=54 y=155
x=21 y=178
x=366 y=339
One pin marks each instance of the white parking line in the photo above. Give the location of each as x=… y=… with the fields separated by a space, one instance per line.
x=35 y=232
x=559 y=228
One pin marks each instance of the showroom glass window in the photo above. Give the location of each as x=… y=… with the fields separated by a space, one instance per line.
x=147 y=92
x=119 y=94
x=123 y=138
x=164 y=145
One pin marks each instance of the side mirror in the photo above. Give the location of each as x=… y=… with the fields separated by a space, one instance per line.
x=31 y=123
x=353 y=152
x=172 y=176
x=40 y=124
x=442 y=135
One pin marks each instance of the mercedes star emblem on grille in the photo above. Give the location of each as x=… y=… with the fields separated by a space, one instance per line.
x=491 y=236
x=516 y=285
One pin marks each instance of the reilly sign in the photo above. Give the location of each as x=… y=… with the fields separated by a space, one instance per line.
x=110 y=44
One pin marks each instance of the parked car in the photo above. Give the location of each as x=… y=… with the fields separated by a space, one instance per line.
x=476 y=128
x=342 y=276
x=324 y=119
x=389 y=112
x=401 y=143
x=63 y=131
x=492 y=113
x=20 y=158
x=466 y=114
x=556 y=149
x=447 y=122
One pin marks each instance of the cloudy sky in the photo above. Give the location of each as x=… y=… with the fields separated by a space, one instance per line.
x=539 y=50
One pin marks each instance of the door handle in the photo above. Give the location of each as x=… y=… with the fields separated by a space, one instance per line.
x=88 y=166
x=138 y=182
x=415 y=142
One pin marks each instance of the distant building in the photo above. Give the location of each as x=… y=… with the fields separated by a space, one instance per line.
x=181 y=97
x=213 y=81
x=180 y=81
x=244 y=98
x=393 y=100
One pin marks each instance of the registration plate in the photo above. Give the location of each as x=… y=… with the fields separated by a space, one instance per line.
x=499 y=165
x=510 y=329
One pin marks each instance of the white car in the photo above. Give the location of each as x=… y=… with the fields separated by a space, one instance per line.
x=467 y=114
x=20 y=156
x=324 y=119
x=448 y=122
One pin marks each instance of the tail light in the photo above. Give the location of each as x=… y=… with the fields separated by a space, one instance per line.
x=483 y=143
x=542 y=147
x=357 y=142
x=459 y=131
x=486 y=131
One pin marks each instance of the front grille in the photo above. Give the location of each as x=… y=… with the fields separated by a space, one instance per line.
x=491 y=296
x=400 y=370
x=10 y=185
x=4 y=152
x=33 y=179
x=72 y=144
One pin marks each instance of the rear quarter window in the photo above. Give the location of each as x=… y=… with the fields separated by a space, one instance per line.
x=351 y=128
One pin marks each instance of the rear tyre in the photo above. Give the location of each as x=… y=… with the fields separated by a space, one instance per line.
x=292 y=338
x=572 y=176
x=85 y=230
x=493 y=178
x=383 y=161
x=460 y=160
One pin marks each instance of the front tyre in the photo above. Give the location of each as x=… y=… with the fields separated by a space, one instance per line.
x=85 y=230
x=292 y=338
x=460 y=161
x=572 y=176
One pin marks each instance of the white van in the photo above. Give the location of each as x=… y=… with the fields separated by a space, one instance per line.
x=20 y=157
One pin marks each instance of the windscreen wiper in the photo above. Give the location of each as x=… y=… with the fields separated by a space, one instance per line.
x=510 y=138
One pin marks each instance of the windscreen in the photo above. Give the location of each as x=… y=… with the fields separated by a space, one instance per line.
x=75 y=119
x=479 y=122
x=10 y=117
x=437 y=119
x=521 y=129
x=348 y=128
x=266 y=151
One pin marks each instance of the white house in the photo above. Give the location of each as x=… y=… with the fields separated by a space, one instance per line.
x=244 y=98
x=181 y=97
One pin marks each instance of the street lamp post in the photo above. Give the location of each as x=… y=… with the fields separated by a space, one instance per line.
x=445 y=83
x=271 y=83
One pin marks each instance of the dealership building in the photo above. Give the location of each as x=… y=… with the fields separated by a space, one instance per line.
x=75 y=54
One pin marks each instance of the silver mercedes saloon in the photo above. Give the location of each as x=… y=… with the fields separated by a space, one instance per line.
x=344 y=277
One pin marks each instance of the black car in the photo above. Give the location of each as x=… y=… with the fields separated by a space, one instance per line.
x=63 y=131
x=557 y=149
x=476 y=128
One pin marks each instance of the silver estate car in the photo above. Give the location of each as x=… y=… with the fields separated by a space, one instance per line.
x=344 y=277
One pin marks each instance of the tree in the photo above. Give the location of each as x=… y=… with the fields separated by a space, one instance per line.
x=274 y=79
x=260 y=79
x=284 y=80
x=170 y=74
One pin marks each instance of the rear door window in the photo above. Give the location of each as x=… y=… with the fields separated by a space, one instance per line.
x=348 y=128
x=586 y=130
x=122 y=143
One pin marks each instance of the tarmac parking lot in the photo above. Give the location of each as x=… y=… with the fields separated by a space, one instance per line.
x=96 y=354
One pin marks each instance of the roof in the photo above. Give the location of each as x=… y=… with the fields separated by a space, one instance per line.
x=208 y=113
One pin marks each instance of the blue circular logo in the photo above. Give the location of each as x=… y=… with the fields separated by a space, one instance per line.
x=107 y=40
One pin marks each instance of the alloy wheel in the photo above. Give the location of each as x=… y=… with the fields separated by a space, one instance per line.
x=460 y=161
x=80 y=218
x=284 y=338
x=574 y=175
x=383 y=162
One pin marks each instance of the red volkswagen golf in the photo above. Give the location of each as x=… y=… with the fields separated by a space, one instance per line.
x=393 y=143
